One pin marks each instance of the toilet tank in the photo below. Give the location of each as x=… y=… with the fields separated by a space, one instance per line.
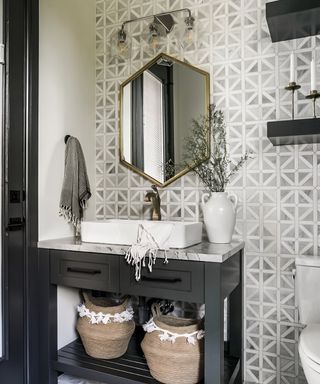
x=307 y=287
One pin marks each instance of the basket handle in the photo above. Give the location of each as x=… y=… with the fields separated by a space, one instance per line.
x=86 y=295
x=87 y=298
x=155 y=309
x=125 y=301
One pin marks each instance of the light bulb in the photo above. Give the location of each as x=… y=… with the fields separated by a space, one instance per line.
x=154 y=38
x=154 y=41
x=122 y=48
x=188 y=35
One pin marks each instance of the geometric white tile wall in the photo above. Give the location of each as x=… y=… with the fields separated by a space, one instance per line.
x=278 y=190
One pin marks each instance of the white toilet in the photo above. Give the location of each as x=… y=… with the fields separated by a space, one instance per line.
x=308 y=296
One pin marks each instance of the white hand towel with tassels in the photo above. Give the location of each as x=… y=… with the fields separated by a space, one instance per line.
x=149 y=242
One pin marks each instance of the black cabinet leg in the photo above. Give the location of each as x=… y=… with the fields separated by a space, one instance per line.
x=235 y=322
x=48 y=321
x=236 y=326
x=214 y=326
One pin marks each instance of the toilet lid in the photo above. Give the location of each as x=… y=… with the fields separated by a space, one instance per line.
x=310 y=342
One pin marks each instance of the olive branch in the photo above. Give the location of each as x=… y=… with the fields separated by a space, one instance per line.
x=214 y=168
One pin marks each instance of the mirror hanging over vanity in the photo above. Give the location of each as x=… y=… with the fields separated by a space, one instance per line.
x=157 y=106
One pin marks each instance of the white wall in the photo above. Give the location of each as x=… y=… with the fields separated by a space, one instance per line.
x=127 y=123
x=66 y=102
x=68 y=300
x=66 y=106
x=153 y=126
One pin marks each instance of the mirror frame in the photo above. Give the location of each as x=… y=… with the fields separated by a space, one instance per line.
x=207 y=102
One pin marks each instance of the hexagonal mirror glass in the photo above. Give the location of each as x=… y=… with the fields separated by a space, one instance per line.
x=157 y=106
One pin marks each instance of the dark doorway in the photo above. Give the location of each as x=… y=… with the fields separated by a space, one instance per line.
x=18 y=194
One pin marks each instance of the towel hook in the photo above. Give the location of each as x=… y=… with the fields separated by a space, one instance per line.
x=66 y=138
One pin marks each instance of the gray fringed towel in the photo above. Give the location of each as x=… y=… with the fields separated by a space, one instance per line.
x=75 y=189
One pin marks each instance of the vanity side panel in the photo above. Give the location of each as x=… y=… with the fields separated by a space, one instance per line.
x=231 y=274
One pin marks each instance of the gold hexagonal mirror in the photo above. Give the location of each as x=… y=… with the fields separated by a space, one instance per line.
x=157 y=106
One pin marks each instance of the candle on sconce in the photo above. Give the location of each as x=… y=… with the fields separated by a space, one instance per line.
x=293 y=86
x=292 y=69
x=313 y=76
x=314 y=94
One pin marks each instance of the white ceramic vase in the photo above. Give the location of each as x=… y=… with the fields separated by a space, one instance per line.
x=219 y=212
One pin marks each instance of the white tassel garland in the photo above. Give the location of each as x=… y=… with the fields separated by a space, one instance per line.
x=105 y=318
x=166 y=335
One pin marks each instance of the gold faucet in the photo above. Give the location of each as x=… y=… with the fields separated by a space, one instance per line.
x=154 y=197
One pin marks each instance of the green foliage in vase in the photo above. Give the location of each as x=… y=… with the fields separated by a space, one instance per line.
x=215 y=173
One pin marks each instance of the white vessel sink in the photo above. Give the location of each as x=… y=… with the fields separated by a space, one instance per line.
x=125 y=232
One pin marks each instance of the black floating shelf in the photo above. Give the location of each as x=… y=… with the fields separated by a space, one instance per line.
x=292 y=19
x=131 y=368
x=288 y=132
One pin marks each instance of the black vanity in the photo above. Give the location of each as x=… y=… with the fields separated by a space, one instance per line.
x=205 y=273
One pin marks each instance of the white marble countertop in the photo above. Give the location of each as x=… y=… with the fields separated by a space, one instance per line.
x=206 y=252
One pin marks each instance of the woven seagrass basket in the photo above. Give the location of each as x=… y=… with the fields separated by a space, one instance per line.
x=104 y=341
x=177 y=362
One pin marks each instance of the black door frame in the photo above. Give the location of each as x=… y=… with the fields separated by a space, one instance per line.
x=20 y=255
x=32 y=270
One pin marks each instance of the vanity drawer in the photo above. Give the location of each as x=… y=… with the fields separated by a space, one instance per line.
x=177 y=280
x=85 y=270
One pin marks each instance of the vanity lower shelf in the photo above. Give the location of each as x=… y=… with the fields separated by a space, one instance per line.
x=131 y=368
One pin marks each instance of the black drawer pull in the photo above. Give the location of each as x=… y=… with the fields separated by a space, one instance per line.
x=84 y=270
x=173 y=280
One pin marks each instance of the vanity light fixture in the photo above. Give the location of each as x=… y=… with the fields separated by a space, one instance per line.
x=120 y=44
x=155 y=35
x=122 y=40
x=161 y=25
x=188 y=36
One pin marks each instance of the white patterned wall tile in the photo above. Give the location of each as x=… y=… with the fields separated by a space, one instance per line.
x=278 y=190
